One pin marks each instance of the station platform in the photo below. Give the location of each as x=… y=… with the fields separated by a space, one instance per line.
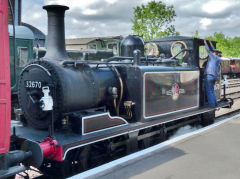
x=209 y=153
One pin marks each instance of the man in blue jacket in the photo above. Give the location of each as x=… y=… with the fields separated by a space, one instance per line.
x=211 y=72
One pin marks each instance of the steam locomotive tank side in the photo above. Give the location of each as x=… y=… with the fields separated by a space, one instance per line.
x=164 y=88
x=73 y=88
x=161 y=91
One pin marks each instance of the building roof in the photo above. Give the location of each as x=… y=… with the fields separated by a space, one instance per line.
x=172 y=38
x=21 y=32
x=84 y=41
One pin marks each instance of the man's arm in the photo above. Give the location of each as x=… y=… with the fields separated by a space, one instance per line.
x=206 y=46
x=211 y=55
x=210 y=42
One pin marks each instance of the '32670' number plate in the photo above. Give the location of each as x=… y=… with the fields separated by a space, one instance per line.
x=33 y=84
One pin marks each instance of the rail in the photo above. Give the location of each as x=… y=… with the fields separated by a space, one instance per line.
x=233 y=88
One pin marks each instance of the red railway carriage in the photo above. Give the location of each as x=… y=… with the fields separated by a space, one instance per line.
x=230 y=67
x=235 y=65
x=5 y=101
x=225 y=66
x=10 y=159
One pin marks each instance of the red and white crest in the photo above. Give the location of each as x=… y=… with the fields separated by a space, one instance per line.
x=175 y=91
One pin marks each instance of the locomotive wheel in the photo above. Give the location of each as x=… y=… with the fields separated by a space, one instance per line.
x=208 y=118
x=77 y=161
x=154 y=139
x=84 y=158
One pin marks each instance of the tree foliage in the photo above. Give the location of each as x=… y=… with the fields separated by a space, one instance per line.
x=153 y=20
x=229 y=46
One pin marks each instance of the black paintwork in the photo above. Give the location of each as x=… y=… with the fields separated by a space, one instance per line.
x=133 y=78
x=131 y=43
x=76 y=89
x=170 y=92
x=56 y=32
x=191 y=58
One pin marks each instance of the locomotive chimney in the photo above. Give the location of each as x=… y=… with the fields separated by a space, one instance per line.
x=56 y=34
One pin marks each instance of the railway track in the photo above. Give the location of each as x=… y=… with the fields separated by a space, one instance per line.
x=232 y=83
x=232 y=89
x=233 y=95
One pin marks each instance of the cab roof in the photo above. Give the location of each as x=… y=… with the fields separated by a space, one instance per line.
x=21 y=32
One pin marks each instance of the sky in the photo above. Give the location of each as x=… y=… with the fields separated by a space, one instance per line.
x=95 y=18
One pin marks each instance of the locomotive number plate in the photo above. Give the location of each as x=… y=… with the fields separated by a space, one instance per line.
x=33 y=84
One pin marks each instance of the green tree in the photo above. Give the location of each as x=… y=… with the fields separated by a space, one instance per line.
x=153 y=20
x=229 y=46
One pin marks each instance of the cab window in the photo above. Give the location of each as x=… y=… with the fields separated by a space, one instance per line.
x=203 y=55
x=23 y=56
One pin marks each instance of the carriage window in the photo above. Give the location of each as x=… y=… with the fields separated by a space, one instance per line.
x=23 y=56
x=113 y=47
x=92 y=46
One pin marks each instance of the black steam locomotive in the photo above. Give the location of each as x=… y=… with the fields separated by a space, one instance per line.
x=95 y=107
